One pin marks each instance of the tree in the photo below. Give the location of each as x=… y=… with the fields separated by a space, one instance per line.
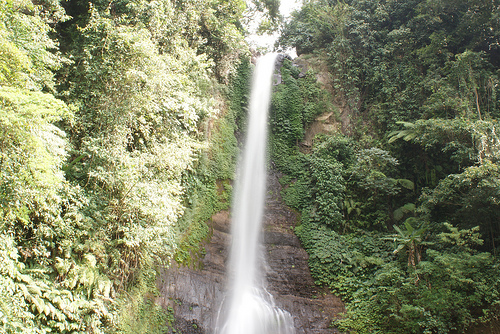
x=411 y=238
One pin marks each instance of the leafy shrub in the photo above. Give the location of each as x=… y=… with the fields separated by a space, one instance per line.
x=98 y=190
x=406 y=71
x=452 y=289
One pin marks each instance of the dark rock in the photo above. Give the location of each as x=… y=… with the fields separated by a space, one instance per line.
x=196 y=294
x=280 y=58
x=300 y=63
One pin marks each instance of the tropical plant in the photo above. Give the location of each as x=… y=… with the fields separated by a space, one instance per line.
x=425 y=72
x=411 y=238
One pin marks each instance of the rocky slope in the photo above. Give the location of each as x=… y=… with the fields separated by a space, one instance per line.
x=195 y=294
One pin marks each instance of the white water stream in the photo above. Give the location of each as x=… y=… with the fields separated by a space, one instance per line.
x=248 y=307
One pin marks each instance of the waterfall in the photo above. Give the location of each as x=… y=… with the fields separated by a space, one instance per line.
x=248 y=307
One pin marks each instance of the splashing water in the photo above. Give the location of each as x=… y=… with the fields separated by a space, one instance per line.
x=249 y=308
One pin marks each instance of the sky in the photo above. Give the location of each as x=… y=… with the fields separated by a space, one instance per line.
x=267 y=41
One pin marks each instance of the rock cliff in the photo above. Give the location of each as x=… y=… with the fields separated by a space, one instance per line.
x=195 y=294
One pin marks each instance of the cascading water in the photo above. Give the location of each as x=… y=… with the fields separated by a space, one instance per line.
x=249 y=308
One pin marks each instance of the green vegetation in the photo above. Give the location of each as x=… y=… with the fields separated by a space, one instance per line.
x=118 y=141
x=117 y=144
x=399 y=215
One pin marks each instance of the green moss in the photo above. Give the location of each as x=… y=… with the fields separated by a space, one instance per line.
x=138 y=311
x=209 y=186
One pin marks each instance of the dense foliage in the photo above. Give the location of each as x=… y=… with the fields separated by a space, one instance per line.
x=118 y=140
x=116 y=144
x=400 y=214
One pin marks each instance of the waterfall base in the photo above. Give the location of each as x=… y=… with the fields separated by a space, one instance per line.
x=255 y=313
x=196 y=294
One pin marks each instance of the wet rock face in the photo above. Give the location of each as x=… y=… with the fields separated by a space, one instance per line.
x=196 y=294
